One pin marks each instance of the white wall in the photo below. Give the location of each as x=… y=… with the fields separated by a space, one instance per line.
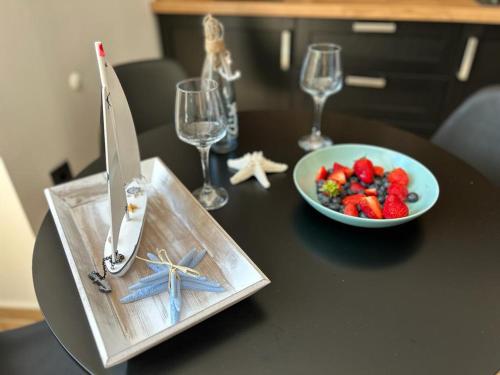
x=43 y=122
x=16 y=242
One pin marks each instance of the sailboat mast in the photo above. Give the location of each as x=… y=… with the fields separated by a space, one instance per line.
x=116 y=187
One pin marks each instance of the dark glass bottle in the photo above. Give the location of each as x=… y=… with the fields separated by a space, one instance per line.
x=217 y=66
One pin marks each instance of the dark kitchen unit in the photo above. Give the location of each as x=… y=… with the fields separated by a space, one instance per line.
x=410 y=74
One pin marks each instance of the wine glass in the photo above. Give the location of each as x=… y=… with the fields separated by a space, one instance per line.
x=200 y=121
x=320 y=77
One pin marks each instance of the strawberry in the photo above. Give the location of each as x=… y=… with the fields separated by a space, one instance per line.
x=364 y=170
x=338 y=176
x=394 y=207
x=352 y=199
x=322 y=174
x=371 y=191
x=397 y=189
x=351 y=210
x=398 y=176
x=348 y=171
x=378 y=170
x=371 y=207
x=357 y=188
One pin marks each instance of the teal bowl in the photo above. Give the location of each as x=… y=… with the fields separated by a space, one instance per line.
x=422 y=181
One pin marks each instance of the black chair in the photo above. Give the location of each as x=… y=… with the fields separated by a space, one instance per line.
x=34 y=350
x=472 y=132
x=150 y=90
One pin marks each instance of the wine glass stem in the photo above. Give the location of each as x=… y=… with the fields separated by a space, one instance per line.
x=204 y=153
x=319 y=102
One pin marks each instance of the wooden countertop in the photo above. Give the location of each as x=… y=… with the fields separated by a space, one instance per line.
x=463 y=11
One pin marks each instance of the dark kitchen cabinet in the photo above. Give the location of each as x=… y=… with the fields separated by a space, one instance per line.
x=255 y=45
x=404 y=73
x=384 y=47
x=396 y=72
x=486 y=65
x=482 y=66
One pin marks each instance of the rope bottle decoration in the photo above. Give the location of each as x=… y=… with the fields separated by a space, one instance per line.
x=216 y=48
x=217 y=66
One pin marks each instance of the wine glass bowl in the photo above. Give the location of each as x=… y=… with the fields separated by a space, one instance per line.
x=320 y=77
x=200 y=121
x=321 y=86
x=198 y=116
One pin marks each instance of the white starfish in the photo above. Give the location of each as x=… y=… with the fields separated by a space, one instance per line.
x=254 y=164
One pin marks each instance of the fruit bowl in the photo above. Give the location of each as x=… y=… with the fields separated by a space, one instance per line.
x=422 y=181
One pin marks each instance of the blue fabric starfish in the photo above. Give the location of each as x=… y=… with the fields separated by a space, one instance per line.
x=159 y=281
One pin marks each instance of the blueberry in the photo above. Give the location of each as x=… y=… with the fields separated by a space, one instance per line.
x=386 y=184
x=412 y=197
x=334 y=206
x=364 y=184
x=381 y=199
x=378 y=181
x=353 y=179
x=337 y=200
x=323 y=199
x=373 y=186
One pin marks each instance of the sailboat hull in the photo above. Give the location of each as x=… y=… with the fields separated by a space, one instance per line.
x=130 y=233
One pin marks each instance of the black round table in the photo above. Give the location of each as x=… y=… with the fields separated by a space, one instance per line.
x=421 y=298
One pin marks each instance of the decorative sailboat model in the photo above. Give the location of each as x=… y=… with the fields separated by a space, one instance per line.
x=126 y=188
x=122 y=331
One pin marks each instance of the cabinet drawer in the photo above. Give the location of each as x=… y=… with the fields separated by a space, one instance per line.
x=388 y=47
x=423 y=128
x=405 y=98
x=402 y=98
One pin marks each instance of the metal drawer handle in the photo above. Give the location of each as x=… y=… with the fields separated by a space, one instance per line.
x=374 y=27
x=468 y=59
x=368 y=82
x=285 y=50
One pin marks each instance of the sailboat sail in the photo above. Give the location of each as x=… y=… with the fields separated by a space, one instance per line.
x=123 y=173
x=125 y=133
x=122 y=149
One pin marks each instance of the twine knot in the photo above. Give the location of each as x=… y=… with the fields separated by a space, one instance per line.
x=216 y=48
x=214 y=35
x=173 y=268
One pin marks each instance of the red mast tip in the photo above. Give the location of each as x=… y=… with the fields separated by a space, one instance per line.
x=101 y=50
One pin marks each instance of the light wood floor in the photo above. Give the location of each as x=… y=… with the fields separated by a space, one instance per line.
x=14 y=318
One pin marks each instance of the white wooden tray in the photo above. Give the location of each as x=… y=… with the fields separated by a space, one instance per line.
x=176 y=222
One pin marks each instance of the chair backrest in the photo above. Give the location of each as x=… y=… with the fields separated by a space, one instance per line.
x=34 y=350
x=150 y=90
x=472 y=132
